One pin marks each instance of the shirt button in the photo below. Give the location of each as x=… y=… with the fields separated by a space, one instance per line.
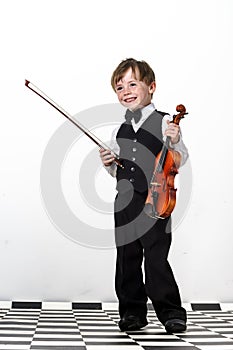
x=133 y=159
x=131 y=180
x=134 y=140
x=134 y=149
x=132 y=169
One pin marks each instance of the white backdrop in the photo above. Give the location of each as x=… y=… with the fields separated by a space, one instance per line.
x=69 y=49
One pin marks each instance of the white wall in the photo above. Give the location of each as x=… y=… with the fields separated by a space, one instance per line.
x=69 y=49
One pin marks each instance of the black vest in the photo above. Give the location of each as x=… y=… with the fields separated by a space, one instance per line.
x=138 y=151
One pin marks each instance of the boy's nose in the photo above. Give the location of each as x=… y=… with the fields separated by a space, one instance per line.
x=127 y=91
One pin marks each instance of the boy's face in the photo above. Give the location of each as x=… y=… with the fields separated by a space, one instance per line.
x=133 y=93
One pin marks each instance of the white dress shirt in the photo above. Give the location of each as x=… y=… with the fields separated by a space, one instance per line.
x=146 y=112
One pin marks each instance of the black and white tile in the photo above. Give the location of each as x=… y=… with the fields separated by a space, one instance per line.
x=93 y=326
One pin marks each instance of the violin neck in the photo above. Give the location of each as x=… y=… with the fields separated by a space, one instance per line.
x=163 y=155
x=167 y=141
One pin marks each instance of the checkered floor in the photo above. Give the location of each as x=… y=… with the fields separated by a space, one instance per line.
x=96 y=329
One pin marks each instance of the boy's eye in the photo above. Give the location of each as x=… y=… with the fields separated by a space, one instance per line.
x=133 y=84
x=119 y=88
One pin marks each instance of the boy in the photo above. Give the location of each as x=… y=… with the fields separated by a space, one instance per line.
x=138 y=140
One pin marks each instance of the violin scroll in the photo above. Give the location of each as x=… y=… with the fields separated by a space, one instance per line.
x=182 y=111
x=181 y=108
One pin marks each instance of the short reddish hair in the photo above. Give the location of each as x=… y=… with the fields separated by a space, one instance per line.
x=141 y=68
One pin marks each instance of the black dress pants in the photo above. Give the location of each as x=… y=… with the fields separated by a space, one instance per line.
x=139 y=237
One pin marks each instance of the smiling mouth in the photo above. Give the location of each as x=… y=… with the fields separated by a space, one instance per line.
x=130 y=99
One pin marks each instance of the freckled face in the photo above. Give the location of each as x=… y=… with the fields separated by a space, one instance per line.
x=133 y=93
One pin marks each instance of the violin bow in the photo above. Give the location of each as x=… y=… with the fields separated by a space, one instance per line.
x=94 y=138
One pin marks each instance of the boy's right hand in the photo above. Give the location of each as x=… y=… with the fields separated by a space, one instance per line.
x=106 y=157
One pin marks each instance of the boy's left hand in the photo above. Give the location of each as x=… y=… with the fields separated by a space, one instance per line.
x=173 y=131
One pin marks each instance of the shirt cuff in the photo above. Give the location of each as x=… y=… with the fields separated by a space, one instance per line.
x=111 y=169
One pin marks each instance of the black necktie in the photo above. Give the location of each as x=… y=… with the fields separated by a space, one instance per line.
x=136 y=115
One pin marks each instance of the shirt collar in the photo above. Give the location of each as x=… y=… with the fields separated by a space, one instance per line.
x=147 y=110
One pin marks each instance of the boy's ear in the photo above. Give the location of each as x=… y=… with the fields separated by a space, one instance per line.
x=152 y=87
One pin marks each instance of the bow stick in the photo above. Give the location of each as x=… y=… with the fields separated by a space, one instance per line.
x=94 y=138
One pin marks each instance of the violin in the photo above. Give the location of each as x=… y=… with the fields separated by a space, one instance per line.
x=161 y=199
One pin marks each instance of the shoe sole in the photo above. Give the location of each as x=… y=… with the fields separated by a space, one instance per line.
x=176 y=329
x=133 y=327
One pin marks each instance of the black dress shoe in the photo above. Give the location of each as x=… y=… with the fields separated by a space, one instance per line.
x=175 y=325
x=132 y=323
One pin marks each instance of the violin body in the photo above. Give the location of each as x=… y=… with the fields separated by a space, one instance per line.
x=161 y=198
